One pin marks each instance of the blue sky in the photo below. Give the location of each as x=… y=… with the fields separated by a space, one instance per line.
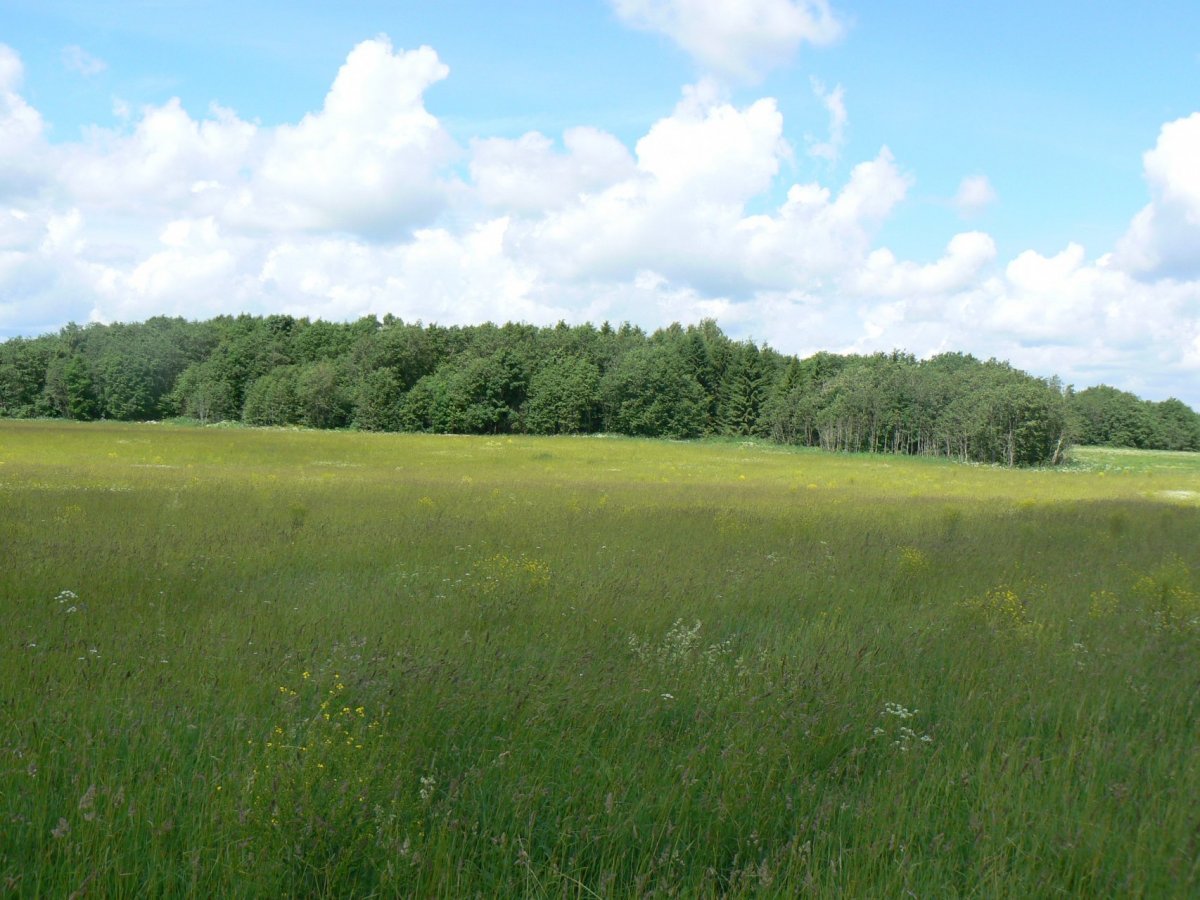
x=1017 y=180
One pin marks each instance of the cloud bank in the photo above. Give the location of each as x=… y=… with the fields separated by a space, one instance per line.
x=367 y=205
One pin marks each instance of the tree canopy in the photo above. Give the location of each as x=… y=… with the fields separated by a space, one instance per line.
x=679 y=382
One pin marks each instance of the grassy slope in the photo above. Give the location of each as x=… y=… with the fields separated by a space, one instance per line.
x=305 y=662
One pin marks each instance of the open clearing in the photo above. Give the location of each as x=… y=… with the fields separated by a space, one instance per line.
x=242 y=662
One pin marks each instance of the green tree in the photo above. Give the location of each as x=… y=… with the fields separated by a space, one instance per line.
x=273 y=399
x=70 y=389
x=378 y=402
x=652 y=392
x=744 y=391
x=564 y=397
x=23 y=365
x=322 y=398
x=205 y=392
x=1177 y=426
x=467 y=395
x=1105 y=415
x=82 y=402
x=126 y=385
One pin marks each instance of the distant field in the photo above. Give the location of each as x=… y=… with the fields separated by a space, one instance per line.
x=268 y=663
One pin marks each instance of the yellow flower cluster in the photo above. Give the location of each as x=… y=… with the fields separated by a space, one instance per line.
x=1005 y=611
x=1102 y=604
x=1167 y=595
x=524 y=571
x=307 y=747
x=913 y=561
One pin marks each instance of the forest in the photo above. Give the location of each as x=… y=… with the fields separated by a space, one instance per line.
x=678 y=382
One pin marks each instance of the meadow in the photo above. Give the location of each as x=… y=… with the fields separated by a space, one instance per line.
x=244 y=662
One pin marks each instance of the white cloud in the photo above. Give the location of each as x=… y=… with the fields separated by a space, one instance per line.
x=975 y=194
x=964 y=261
x=1164 y=237
x=528 y=175
x=1068 y=299
x=677 y=209
x=1092 y=322
x=1086 y=320
x=741 y=39
x=370 y=160
x=151 y=169
x=1171 y=166
x=12 y=71
x=709 y=149
x=193 y=265
x=816 y=239
x=44 y=278
x=76 y=59
x=21 y=131
x=1052 y=298
x=438 y=275
x=63 y=233
x=834 y=102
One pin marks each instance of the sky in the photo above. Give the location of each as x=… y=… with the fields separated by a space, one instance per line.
x=1016 y=180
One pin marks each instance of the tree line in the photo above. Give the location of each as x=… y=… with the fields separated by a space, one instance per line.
x=678 y=382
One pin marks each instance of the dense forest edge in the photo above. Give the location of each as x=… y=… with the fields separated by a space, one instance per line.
x=678 y=382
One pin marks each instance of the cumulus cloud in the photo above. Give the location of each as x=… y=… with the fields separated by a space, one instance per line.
x=152 y=169
x=676 y=209
x=960 y=267
x=370 y=160
x=742 y=40
x=528 y=175
x=439 y=275
x=21 y=131
x=195 y=270
x=681 y=211
x=710 y=149
x=834 y=102
x=975 y=194
x=1085 y=319
x=1164 y=237
x=172 y=213
x=76 y=59
x=45 y=277
x=1092 y=321
x=815 y=238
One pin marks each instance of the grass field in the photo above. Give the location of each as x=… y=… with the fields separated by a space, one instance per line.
x=267 y=663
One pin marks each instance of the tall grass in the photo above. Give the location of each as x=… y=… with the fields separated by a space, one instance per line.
x=267 y=663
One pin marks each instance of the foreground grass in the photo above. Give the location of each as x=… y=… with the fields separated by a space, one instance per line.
x=255 y=663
